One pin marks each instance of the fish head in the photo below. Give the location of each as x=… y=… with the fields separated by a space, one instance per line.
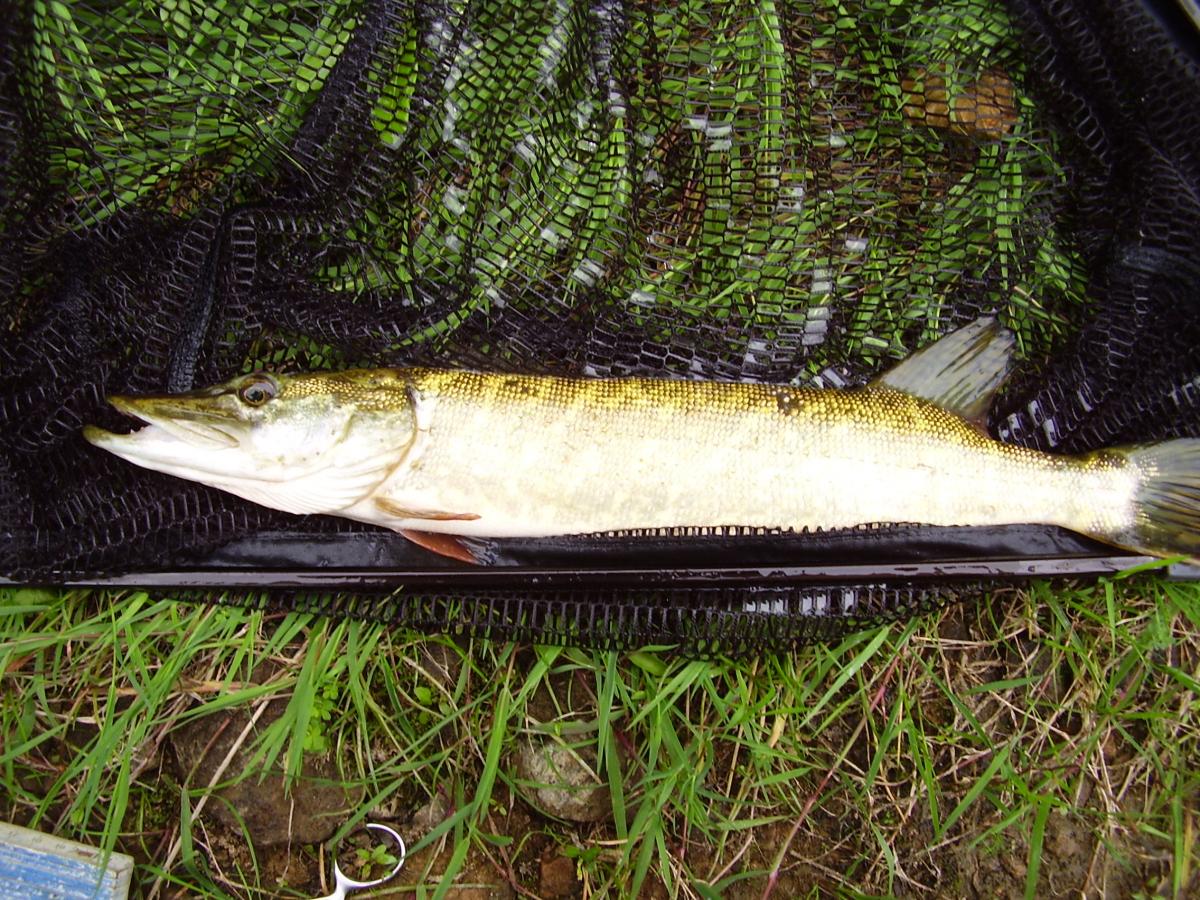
x=302 y=443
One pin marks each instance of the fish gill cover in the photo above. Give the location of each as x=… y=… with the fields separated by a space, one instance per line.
x=791 y=192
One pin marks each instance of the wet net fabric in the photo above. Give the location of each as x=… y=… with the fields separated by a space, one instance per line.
x=789 y=192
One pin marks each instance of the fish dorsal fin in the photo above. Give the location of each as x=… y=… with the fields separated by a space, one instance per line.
x=961 y=372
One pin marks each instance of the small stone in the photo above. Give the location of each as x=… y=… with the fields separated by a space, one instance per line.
x=432 y=814
x=558 y=877
x=562 y=782
x=439 y=662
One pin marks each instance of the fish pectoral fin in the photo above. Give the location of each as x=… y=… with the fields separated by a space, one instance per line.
x=445 y=545
x=961 y=372
x=394 y=509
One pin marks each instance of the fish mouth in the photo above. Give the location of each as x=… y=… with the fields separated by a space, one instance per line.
x=191 y=419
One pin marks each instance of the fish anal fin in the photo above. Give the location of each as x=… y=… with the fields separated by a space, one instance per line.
x=443 y=544
x=394 y=509
x=961 y=372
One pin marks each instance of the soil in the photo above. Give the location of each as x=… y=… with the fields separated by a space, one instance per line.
x=1074 y=864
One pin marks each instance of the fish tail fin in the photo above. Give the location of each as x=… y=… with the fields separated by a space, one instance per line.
x=1166 y=502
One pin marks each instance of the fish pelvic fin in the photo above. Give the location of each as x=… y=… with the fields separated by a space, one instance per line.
x=1166 y=514
x=448 y=545
x=961 y=372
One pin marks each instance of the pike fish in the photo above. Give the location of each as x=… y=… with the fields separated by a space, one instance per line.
x=443 y=455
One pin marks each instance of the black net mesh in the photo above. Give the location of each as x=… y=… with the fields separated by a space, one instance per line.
x=704 y=621
x=797 y=192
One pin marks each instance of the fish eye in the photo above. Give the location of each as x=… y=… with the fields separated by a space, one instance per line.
x=258 y=391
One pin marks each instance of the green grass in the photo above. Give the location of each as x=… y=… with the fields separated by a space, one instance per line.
x=1054 y=729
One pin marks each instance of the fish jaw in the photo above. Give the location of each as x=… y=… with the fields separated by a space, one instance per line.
x=192 y=418
x=193 y=456
x=190 y=435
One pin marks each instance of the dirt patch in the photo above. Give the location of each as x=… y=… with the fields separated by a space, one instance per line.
x=220 y=749
x=812 y=859
x=1075 y=863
